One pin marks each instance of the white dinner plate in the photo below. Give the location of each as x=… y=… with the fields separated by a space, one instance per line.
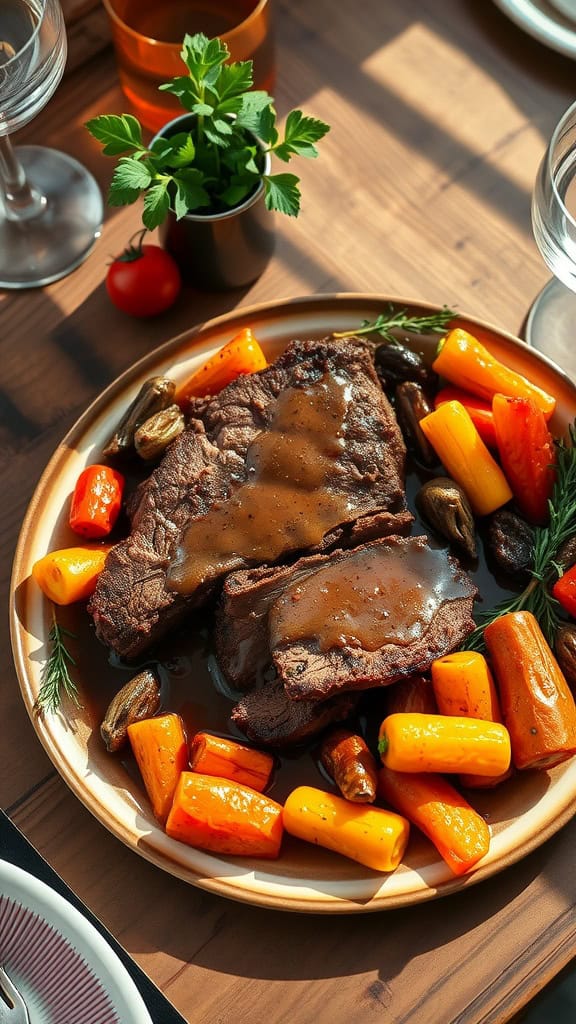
x=65 y=970
x=544 y=22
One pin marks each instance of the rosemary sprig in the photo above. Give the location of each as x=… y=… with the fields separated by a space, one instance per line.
x=395 y=320
x=56 y=677
x=548 y=540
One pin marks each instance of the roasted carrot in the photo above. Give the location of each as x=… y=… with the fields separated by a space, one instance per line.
x=370 y=835
x=537 y=704
x=161 y=751
x=479 y=410
x=347 y=759
x=443 y=743
x=224 y=817
x=463 y=685
x=70 y=574
x=241 y=355
x=466 y=458
x=218 y=755
x=430 y=802
x=96 y=501
x=412 y=694
x=564 y=590
x=527 y=454
x=468 y=364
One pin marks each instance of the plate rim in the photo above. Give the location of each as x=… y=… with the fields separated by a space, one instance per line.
x=544 y=27
x=243 y=886
x=43 y=900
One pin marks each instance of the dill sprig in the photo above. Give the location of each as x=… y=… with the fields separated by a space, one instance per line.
x=56 y=679
x=548 y=540
x=393 y=321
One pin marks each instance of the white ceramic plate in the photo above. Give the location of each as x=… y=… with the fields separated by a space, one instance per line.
x=65 y=970
x=522 y=813
x=544 y=21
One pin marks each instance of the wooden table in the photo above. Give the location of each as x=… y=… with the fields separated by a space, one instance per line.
x=440 y=114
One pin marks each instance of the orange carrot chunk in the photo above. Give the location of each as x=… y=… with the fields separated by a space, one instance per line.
x=96 y=501
x=372 y=836
x=70 y=574
x=227 y=759
x=463 y=685
x=224 y=817
x=241 y=355
x=443 y=743
x=537 y=704
x=161 y=753
x=430 y=802
x=465 y=362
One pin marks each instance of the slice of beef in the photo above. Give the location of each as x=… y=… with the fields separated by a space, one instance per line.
x=133 y=605
x=268 y=717
x=416 y=605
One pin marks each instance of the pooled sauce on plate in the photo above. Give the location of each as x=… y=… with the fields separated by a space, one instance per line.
x=288 y=500
x=387 y=594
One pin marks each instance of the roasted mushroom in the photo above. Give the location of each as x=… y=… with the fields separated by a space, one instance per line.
x=445 y=506
x=395 y=363
x=510 y=543
x=411 y=406
x=565 y=650
x=153 y=437
x=154 y=395
x=139 y=698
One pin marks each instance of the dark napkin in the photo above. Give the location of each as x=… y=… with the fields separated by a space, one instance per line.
x=15 y=848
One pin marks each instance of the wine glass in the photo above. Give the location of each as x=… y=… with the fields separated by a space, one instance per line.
x=551 y=323
x=50 y=206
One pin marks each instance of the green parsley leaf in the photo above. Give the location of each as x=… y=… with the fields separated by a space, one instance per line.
x=282 y=193
x=235 y=79
x=299 y=135
x=190 y=192
x=257 y=115
x=117 y=132
x=156 y=204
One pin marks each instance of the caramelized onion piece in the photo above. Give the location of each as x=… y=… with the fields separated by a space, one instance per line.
x=565 y=649
x=139 y=698
x=396 y=363
x=349 y=762
x=154 y=395
x=153 y=437
x=445 y=506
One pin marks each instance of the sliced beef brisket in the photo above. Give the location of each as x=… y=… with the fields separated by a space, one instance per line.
x=133 y=605
x=348 y=620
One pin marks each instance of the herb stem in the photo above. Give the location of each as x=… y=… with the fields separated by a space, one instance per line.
x=397 y=320
x=56 y=678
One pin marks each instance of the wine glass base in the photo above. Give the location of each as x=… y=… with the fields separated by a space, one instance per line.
x=46 y=247
x=551 y=324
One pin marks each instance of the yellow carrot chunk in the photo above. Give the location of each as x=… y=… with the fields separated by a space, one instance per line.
x=218 y=755
x=161 y=753
x=464 y=361
x=239 y=356
x=70 y=574
x=466 y=458
x=463 y=685
x=430 y=802
x=443 y=743
x=224 y=817
x=370 y=835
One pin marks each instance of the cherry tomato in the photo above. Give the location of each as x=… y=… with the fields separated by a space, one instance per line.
x=143 y=281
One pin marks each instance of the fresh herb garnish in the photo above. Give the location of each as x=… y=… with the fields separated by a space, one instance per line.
x=393 y=321
x=218 y=163
x=536 y=596
x=56 y=677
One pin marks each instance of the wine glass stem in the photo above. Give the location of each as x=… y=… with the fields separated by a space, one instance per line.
x=21 y=201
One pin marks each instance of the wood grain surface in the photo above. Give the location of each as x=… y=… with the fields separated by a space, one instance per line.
x=440 y=113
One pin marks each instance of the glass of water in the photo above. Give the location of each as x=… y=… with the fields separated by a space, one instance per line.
x=50 y=206
x=551 y=324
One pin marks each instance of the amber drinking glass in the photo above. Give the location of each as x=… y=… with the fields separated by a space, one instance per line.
x=148 y=36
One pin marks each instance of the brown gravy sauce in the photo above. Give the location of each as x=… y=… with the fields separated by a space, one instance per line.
x=384 y=595
x=287 y=501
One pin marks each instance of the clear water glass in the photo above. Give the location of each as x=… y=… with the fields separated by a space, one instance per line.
x=551 y=324
x=51 y=207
